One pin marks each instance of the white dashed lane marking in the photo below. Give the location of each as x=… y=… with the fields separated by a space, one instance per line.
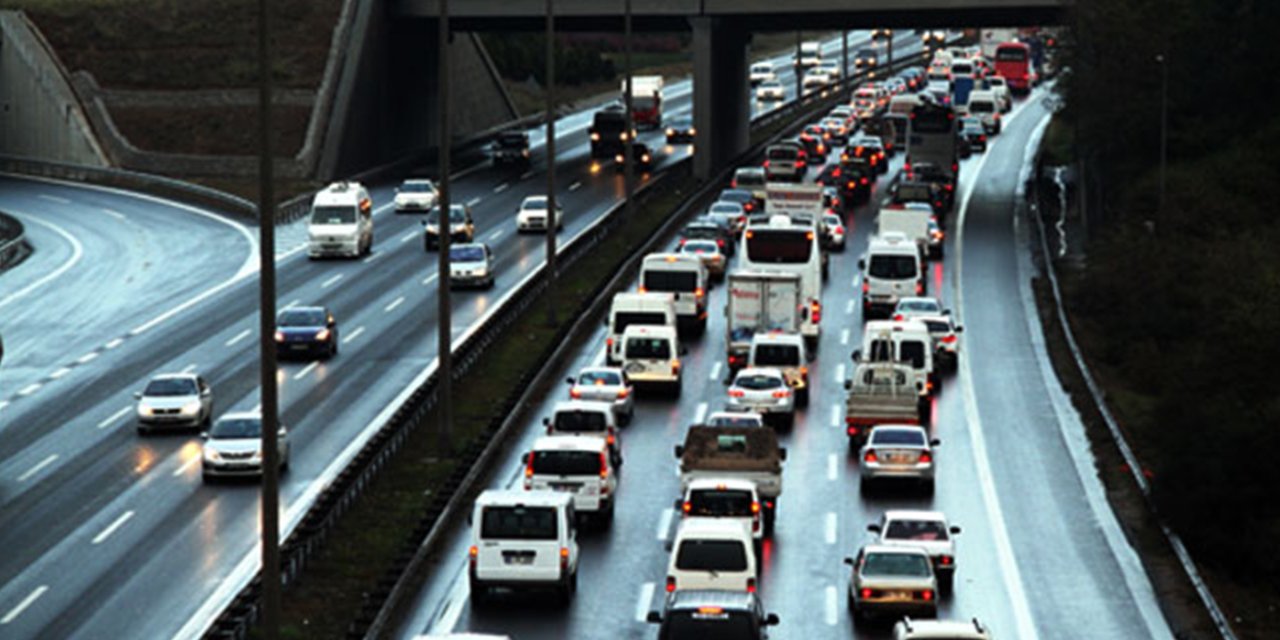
x=53 y=457
x=111 y=528
x=238 y=337
x=22 y=606
x=352 y=336
x=113 y=418
x=394 y=303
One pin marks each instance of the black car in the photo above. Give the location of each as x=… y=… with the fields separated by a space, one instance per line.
x=511 y=147
x=929 y=172
x=814 y=145
x=917 y=191
x=641 y=158
x=853 y=181
x=306 y=331
x=680 y=129
x=975 y=135
x=742 y=197
x=704 y=228
x=704 y=614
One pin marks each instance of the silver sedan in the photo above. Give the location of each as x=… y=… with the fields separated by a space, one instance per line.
x=605 y=384
x=177 y=400
x=892 y=581
x=900 y=452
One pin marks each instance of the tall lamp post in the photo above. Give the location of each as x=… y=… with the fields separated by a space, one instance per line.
x=553 y=216
x=444 y=223
x=1164 y=123
x=628 y=166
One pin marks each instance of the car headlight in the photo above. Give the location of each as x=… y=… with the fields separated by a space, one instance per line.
x=191 y=408
x=671 y=132
x=322 y=335
x=145 y=411
x=212 y=455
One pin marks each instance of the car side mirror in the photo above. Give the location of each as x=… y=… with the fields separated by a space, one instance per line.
x=525 y=458
x=873 y=528
x=782 y=453
x=946 y=312
x=935 y=442
x=771 y=620
x=423 y=223
x=654 y=617
x=856 y=355
x=204 y=435
x=546 y=422
x=848 y=561
x=848 y=384
x=862 y=264
x=677 y=504
x=679 y=451
x=684 y=351
x=959 y=329
x=137 y=395
x=571 y=381
x=955 y=530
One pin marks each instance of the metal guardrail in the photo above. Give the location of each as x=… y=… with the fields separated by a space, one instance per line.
x=298 y=547
x=12 y=240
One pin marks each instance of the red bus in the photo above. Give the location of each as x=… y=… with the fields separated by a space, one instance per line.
x=1013 y=62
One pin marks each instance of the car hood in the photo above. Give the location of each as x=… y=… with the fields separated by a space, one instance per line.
x=167 y=402
x=233 y=445
x=467 y=266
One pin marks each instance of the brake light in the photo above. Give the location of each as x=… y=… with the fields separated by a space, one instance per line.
x=608 y=342
x=866 y=286
x=671 y=584
x=675 y=366
x=982 y=138
x=528 y=467
x=945 y=560
x=919 y=288
x=699 y=292
x=686 y=506
x=926 y=595
x=815 y=312
x=472 y=553
x=575 y=394
x=733 y=184
x=643 y=289
x=864 y=180
x=623 y=393
x=852 y=430
x=564 y=558
x=782 y=394
x=766 y=164
x=866 y=593
x=949 y=338
x=799 y=163
x=736 y=393
x=751 y=585
x=870 y=457
x=804 y=371
x=720 y=241
x=925 y=457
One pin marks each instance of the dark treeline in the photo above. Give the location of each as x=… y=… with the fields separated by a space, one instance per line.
x=1183 y=303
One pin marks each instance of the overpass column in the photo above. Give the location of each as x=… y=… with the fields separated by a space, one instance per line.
x=721 y=97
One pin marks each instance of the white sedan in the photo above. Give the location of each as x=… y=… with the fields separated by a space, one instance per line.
x=771 y=90
x=926 y=530
x=416 y=194
x=532 y=215
x=605 y=384
x=764 y=390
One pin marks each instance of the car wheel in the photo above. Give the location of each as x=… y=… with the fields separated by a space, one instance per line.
x=927 y=487
x=770 y=515
x=479 y=594
x=802 y=397
x=144 y=430
x=864 y=486
x=946 y=582
x=333 y=346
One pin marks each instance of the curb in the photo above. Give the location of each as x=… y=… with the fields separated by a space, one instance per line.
x=13 y=241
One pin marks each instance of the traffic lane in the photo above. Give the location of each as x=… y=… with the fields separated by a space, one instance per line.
x=1029 y=449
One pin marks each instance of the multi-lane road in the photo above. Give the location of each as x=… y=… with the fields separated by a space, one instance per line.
x=107 y=534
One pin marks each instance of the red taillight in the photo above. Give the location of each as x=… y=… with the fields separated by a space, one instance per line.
x=866 y=593
x=528 y=467
x=925 y=457
x=671 y=584
x=751 y=585
x=926 y=595
x=799 y=164
x=864 y=181
x=575 y=394
x=766 y=164
x=982 y=138
x=564 y=558
x=720 y=241
x=815 y=311
x=870 y=457
x=472 y=553
x=852 y=430
x=866 y=287
x=736 y=393
x=945 y=560
x=608 y=342
x=782 y=394
x=898 y=317
x=733 y=184
x=623 y=393
x=949 y=338
x=686 y=506
x=611 y=438
x=919 y=288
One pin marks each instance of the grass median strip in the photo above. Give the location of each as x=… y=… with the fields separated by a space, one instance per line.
x=373 y=538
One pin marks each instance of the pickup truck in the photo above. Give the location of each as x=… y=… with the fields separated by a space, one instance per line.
x=747 y=453
x=881 y=393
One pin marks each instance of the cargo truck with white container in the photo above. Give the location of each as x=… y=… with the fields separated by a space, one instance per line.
x=760 y=302
x=646 y=100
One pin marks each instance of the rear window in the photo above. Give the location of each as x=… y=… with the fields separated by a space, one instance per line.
x=914 y=193
x=770 y=355
x=701 y=231
x=782 y=153
x=671 y=281
x=566 y=463
x=750 y=178
x=779 y=246
x=518 y=523
x=711 y=555
x=897 y=436
x=600 y=377
x=981 y=106
x=896 y=564
x=624 y=319
x=720 y=503
x=892 y=267
x=648 y=348
x=580 y=421
x=911 y=352
x=710 y=624
x=915 y=530
x=757 y=382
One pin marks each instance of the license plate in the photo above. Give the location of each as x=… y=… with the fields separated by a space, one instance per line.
x=564 y=487
x=899 y=458
x=299 y=346
x=898 y=595
x=521 y=560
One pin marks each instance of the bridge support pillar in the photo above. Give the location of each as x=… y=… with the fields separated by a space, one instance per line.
x=721 y=95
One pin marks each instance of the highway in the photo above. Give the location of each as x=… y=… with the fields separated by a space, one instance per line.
x=112 y=535
x=1040 y=556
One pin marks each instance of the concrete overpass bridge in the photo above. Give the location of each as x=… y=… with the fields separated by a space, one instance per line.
x=397 y=99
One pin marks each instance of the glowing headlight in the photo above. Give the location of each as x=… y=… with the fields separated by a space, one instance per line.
x=145 y=411
x=322 y=335
x=191 y=408
x=212 y=455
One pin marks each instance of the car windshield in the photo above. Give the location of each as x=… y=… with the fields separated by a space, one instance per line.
x=334 y=214
x=171 y=387
x=602 y=378
x=911 y=437
x=708 y=623
x=624 y=319
x=580 y=421
x=535 y=202
x=915 y=530
x=301 y=318
x=735 y=195
x=236 y=428
x=648 y=348
x=787 y=355
x=417 y=186
x=734 y=421
x=720 y=503
x=771 y=84
x=922 y=306
x=711 y=555
x=457 y=215
x=466 y=254
x=518 y=523
x=566 y=463
x=757 y=382
x=896 y=564
x=891 y=267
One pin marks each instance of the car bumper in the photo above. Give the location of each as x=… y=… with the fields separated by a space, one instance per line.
x=876 y=471
x=456 y=280
x=310 y=348
x=898 y=608
x=326 y=249
x=170 y=421
x=231 y=469
x=532 y=224
x=414 y=206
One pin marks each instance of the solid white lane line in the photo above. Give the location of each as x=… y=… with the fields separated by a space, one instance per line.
x=77 y=251
x=526 y=175
x=39 y=466
x=114 y=343
x=186 y=465
x=4 y=403
x=56 y=199
x=844 y=337
x=831 y=527
x=352 y=336
x=113 y=213
x=22 y=606
x=575 y=186
x=848 y=308
x=29 y=389
x=408 y=236
x=642 y=605
x=113 y=418
x=86 y=358
x=664 y=523
x=189 y=368
x=238 y=337
x=836 y=410
x=331 y=281
x=473 y=202
x=60 y=372
x=840 y=371
x=831 y=606
x=497 y=233
x=500 y=188
x=715 y=371
x=700 y=414
x=431 y=278
x=394 y=303
x=832 y=468
x=302 y=373
x=111 y=528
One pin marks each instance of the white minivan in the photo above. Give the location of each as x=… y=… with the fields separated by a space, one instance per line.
x=636 y=308
x=903 y=341
x=522 y=540
x=587 y=418
x=892 y=269
x=685 y=277
x=910 y=221
x=985 y=106
x=712 y=553
x=341 y=222
x=579 y=466
x=651 y=357
x=786 y=352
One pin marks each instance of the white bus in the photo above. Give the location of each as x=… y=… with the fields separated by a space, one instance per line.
x=780 y=245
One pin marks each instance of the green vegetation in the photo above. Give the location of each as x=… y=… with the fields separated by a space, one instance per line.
x=1179 y=306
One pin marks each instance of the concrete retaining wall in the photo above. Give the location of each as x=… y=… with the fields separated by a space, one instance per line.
x=39 y=114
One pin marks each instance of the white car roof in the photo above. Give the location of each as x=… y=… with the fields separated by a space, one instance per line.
x=340 y=193
x=513 y=497
x=241 y=415
x=713 y=528
x=914 y=514
x=614 y=370
x=569 y=443
x=174 y=376
x=894 y=326
x=760 y=371
x=650 y=330
x=583 y=405
x=737 y=484
x=777 y=337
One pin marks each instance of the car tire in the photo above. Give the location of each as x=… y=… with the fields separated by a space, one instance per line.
x=144 y=430
x=946 y=582
x=864 y=486
x=479 y=594
x=567 y=590
x=802 y=397
x=770 y=516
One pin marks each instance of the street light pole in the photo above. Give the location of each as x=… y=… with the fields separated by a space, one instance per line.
x=844 y=54
x=628 y=162
x=444 y=226
x=266 y=338
x=553 y=217
x=799 y=37
x=1164 y=124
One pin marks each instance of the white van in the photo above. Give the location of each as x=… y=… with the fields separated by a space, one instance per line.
x=892 y=269
x=904 y=103
x=636 y=308
x=985 y=106
x=912 y=222
x=903 y=341
x=341 y=222
x=786 y=352
x=579 y=466
x=651 y=357
x=730 y=499
x=685 y=277
x=523 y=540
x=587 y=418
x=712 y=553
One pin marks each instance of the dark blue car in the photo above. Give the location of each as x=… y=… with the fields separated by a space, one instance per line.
x=306 y=332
